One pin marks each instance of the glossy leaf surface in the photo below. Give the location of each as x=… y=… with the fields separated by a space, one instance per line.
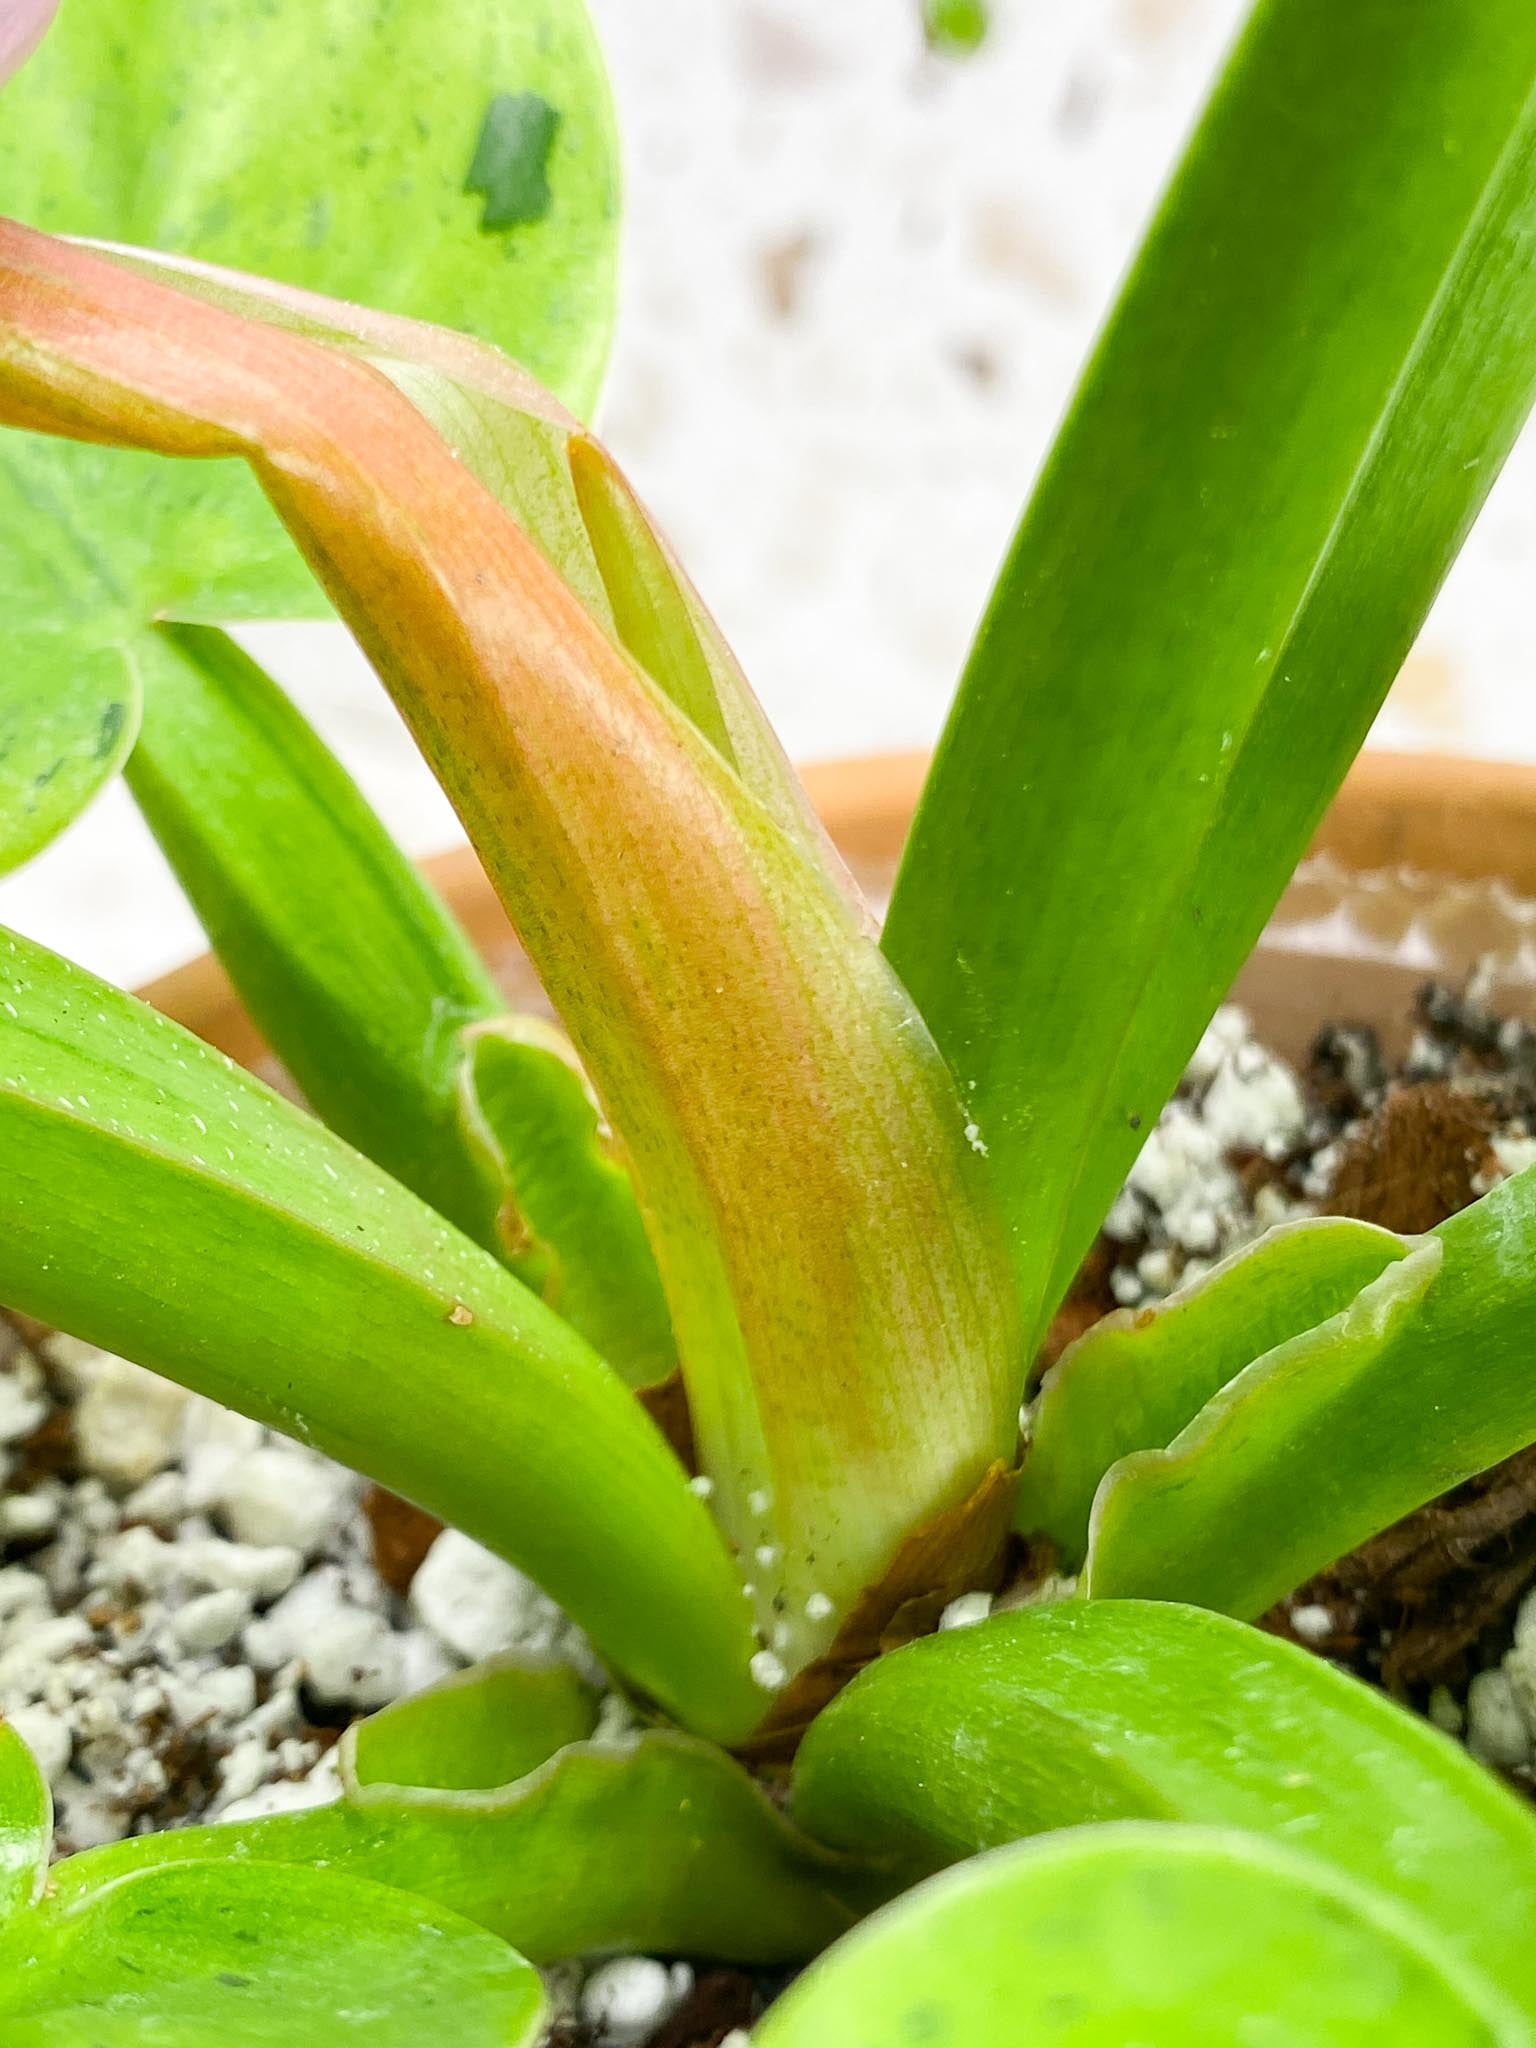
x=1136 y=1378
x=1159 y=1936
x=566 y=1203
x=652 y=1841
x=1087 y=1711
x=169 y=137
x=820 y=1217
x=361 y=981
x=484 y=1727
x=160 y=1202
x=1316 y=367
x=347 y=961
x=197 y=1953
x=1423 y=1381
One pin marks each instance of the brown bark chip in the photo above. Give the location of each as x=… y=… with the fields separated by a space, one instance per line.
x=1421 y=1157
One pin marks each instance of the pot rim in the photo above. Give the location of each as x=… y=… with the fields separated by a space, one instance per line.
x=1434 y=814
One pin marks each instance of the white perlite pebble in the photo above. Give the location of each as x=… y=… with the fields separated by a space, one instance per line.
x=211 y=1620
x=1127 y=1217
x=1126 y=1286
x=282 y=1494
x=320 y=1787
x=967 y=1611
x=21 y=1409
x=47 y=1736
x=128 y=1422
x=628 y=1998
x=768 y=1670
x=213 y=1442
x=29 y=1517
x=1445 y=1711
x=1312 y=1623
x=1254 y=1103
x=75 y=1361
x=1514 y=1154
x=349 y=1652
x=475 y=1602
x=139 y=1560
x=21 y=1592
x=1496 y=1728
x=1227 y=1030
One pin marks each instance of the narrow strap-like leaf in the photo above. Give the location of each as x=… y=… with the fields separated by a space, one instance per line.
x=567 y=1217
x=160 y=1202
x=1421 y=1382
x=1316 y=368
x=823 y=1226
x=347 y=961
x=374 y=999
x=1140 y=1375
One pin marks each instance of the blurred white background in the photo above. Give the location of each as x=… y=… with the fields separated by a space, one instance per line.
x=859 y=281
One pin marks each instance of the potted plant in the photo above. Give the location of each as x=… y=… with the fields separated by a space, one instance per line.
x=810 y=1194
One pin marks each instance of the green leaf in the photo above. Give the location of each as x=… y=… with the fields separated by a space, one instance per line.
x=567 y=1203
x=821 y=1219
x=198 y=1953
x=26 y=1825
x=1315 y=370
x=481 y=1728
x=1158 y=1936
x=1421 y=1382
x=1137 y=1377
x=163 y=1204
x=360 y=189
x=651 y=1841
x=360 y=979
x=345 y=958
x=171 y=138
x=68 y=715
x=1049 y=1717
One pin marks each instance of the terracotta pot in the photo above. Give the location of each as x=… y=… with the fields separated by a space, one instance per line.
x=1424 y=865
